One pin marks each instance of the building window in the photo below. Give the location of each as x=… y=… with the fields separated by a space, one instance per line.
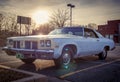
x=111 y=36
x=106 y=36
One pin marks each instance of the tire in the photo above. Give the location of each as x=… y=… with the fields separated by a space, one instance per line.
x=28 y=60
x=103 y=55
x=65 y=58
x=10 y=53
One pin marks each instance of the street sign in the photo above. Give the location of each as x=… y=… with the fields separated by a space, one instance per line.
x=24 y=20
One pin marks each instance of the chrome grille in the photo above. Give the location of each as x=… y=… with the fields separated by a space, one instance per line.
x=16 y=44
x=31 y=45
x=27 y=45
x=34 y=45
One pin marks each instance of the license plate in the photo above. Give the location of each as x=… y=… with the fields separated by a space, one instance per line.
x=19 y=55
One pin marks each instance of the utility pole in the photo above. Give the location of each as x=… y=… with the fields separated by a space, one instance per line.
x=71 y=6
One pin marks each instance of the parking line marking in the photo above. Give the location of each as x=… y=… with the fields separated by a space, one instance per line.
x=9 y=62
x=92 y=67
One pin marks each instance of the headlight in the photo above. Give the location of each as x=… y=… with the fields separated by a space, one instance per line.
x=45 y=43
x=10 y=43
x=42 y=43
x=48 y=43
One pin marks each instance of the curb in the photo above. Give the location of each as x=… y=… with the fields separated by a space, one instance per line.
x=33 y=78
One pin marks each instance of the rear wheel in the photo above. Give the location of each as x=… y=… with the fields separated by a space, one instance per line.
x=65 y=58
x=28 y=60
x=103 y=55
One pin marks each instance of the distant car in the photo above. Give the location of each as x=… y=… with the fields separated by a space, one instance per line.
x=61 y=45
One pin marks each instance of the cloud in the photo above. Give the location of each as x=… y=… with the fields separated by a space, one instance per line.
x=27 y=5
x=32 y=4
x=85 y=10
x=3 y=2
x=96 y=11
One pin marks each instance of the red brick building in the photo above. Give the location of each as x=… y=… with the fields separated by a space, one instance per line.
x=111 y=30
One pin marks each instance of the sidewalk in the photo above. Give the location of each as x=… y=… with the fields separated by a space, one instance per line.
x=30 y=77
x=115 y=52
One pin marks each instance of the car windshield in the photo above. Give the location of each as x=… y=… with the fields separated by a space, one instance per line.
x=72 y=31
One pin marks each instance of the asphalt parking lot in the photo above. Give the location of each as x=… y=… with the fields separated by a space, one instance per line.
x=85 y=69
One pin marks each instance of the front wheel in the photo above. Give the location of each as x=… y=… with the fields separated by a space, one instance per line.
x=28 y=60
x=103 y=55
x=65 y=58
x=10 y=53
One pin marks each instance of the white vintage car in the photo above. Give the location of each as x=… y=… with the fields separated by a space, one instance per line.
x=61 y=45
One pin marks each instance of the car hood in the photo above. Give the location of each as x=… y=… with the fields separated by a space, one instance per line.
x=43 y=37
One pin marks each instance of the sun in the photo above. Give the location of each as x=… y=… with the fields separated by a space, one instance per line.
x=41 y=17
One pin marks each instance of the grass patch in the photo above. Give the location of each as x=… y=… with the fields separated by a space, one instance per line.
x=7 y=75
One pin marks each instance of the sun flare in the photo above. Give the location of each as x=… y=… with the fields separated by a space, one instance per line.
x=41 y=17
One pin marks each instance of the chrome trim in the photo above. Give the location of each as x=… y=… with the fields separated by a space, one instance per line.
x=32 y=50
x=49 y=51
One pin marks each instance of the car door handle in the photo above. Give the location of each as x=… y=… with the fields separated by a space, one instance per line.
x=98 y=40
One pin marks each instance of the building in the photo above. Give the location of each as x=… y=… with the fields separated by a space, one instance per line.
x=111 y=30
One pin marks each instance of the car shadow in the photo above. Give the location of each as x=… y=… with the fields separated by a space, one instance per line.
x=27 y=67
x=53 y=71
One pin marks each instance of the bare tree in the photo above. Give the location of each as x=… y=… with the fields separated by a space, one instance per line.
x=1 y=18
x=7 y=27
x=43 y=29
x=92 y=25
x=8 y=24
x=59 y=18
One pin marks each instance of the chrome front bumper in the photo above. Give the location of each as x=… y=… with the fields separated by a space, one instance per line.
x=33 y=53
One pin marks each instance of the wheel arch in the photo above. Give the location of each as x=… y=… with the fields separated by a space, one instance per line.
x=73 y=47
x=103 y=54
x=107 y=47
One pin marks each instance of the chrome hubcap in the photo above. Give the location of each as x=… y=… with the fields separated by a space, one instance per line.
x=66 y=58
x=104 y=53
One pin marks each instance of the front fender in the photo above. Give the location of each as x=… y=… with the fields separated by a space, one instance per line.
x=58 y=51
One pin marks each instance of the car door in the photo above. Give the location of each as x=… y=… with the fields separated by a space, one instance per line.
x=92 y=41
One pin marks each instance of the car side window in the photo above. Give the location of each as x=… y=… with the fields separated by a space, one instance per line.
x=90 y=33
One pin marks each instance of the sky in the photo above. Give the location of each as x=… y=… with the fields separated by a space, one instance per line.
x=85 y=11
